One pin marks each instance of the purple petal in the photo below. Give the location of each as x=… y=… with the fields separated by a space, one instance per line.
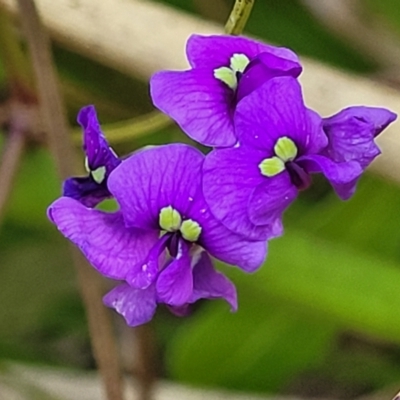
x=229 y=178
x=154 y=178
x=95 y=144
x=200 y=104
x=175 y=283
x=102 y=237
x=270 y=199
x=135 y=305
x=274 y=110
x=342 y=176
x=351 y=133
x=143 y=277
x=264 y=67
x=210 y=284
x=230 y=247
x=99 y=155
x=86 y=190
x=215 y=51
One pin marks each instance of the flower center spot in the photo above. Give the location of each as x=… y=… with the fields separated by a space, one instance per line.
x=190 y=230
x=229 y=75
x=98 y=174
x=170 y=220
x=285 y=151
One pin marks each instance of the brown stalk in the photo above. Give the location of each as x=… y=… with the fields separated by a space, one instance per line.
x=9 y=163
x=55 y=122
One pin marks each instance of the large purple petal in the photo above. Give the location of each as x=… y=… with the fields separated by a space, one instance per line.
x=274 y=110
x=154 y=178
x=175 y=283
x=200 y=104
x=135 y=305
x=229 y=179
x=270 y=199
x=216 y=50
x=351 y=133
x=342 y=176
x=211 y=284
x=230 y=247
x=111 y=248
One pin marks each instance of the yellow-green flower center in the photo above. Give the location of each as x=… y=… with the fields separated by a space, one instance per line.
x=228 y=75
x=98 y=174
x=170 y=220
x=285 y=150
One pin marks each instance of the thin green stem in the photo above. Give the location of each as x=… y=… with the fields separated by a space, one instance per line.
x=130 y=129
x=56 y=126
x=238 y=17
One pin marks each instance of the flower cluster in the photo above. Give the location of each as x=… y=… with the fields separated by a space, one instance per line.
x=178 y=207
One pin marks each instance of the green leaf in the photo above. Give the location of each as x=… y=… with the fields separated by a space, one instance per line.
x=260 y=348
x=352 y=288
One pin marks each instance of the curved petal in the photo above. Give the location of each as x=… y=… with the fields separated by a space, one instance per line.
x=229 y=178
x=143 y=277
x=135 y=305
x=351 y=133
x=102 y=237
x=270 y=199
x=95 y=145
x=274 y=110
x=175 y=283
x=264 y=67
x=86 y=190
x=200 y=104
x=230 y=247
x=211 y=284
x=154 y=178
x=342 y=176
x=216 y=50
x=100 y=159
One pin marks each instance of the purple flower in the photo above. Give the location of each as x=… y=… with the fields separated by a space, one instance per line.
x=225 y=69
x=161 y=239
x=100 y=161
x=281 y=143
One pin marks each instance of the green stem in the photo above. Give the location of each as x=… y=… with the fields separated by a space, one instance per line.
x=238 y=17
x=131 y=129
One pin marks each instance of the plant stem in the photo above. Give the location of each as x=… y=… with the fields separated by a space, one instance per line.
x=55 y=122
x=238 y=17
x=15 y=61
x=145 y=361
x=9 y=163
x=134 y=128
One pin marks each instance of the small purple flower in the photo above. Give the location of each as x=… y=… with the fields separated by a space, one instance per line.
x=281 y=142
x=160 y=240
x=225 y=69
x=100 y=161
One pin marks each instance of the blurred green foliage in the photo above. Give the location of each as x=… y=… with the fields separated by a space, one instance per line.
x=334 y=274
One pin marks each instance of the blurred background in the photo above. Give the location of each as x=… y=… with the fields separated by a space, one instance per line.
x=321 y=318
